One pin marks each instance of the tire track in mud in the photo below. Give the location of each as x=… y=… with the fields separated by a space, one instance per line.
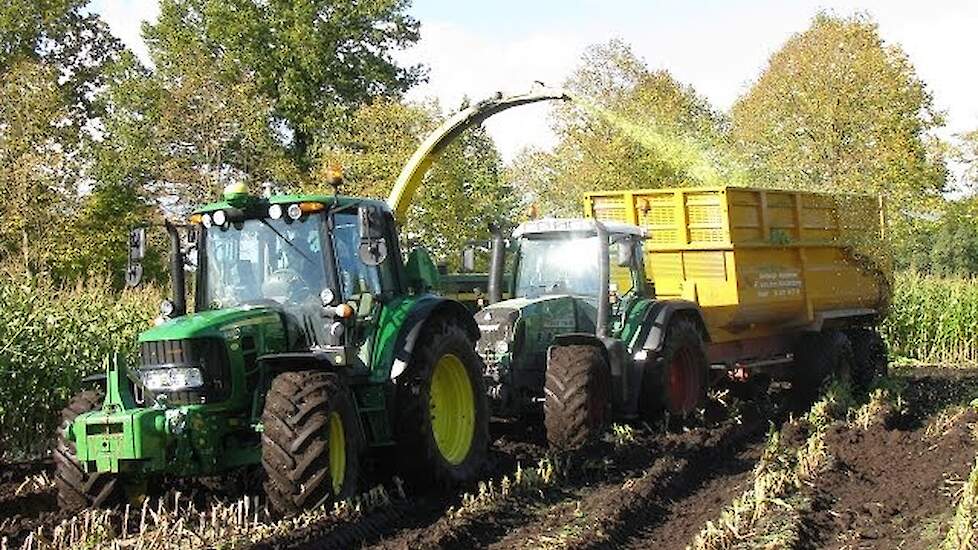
x=620 y=514
x=893 y=485
x=605 y=491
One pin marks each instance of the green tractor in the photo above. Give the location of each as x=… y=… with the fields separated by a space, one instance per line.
x=313 y=346
x=574 y=341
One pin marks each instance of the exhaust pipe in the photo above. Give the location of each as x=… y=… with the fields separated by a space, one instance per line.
x=177 y=276
x=497 y=264
x=604 y=280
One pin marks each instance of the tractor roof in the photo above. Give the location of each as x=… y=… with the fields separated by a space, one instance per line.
x=338 y=200
x=574 y=225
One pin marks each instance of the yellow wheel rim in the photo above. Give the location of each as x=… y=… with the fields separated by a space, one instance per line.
x=452 y=409
x=337 y=452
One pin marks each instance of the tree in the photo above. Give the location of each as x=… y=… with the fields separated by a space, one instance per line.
x=60 y=34
x=967 y=153
x=629 y=127
x=838 y=109
x=35 y=168
x=316 y=60
x=945 y=244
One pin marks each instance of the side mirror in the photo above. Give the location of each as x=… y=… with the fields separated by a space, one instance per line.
x=137 y=251
x=625 y=254
x=373 y=242
x=468 y=259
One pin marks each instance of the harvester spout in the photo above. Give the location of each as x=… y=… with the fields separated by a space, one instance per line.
x=411 y=175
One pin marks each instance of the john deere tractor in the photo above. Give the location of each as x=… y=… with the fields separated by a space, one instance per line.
x=584 y=339
x=312 y=345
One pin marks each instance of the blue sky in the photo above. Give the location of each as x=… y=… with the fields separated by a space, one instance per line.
x=720 y=47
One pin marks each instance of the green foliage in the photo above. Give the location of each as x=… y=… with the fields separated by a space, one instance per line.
x=838 y=109
x=316 y=60
x=933 y=320
x=65 y=36
x=51 y=338
x=630 y=128
x=945 y=246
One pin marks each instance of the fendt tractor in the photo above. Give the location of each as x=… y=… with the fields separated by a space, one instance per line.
x=313 y=345
x=638 y=308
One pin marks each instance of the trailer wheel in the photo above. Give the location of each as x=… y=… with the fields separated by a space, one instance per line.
x=442 y=409
x=819 y=357
x=870 y=357
x=78 y=489
x=311 y=441
x=678 y=383
x=577 y=390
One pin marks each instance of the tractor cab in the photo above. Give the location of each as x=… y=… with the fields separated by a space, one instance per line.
x=571 y=279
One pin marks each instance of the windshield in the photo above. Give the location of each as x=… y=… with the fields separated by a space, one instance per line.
x=558 y=266
x=263 y=260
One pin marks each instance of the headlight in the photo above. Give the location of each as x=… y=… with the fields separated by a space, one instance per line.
x=294 y=211
x=173 y=379
x=275 y=211
x=220 y=218
x=206 y=220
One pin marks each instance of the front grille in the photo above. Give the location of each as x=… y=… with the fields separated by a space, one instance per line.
x=208 y=354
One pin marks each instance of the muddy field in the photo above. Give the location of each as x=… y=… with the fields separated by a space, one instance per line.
x=893 y=485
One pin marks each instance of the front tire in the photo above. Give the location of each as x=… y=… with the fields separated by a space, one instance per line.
x=442 y=409
x=577 y=391
x=310 y=443
x=77 y=489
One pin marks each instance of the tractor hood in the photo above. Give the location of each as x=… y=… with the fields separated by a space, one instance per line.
x=532 y=322
x=211 y=323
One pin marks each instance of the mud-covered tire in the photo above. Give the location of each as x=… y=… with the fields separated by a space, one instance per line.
x=439 y=447
x=78 y=490
x=299 y=423
x=819 y=357
x=678 y=384
x=577 y=396
x=870 y=357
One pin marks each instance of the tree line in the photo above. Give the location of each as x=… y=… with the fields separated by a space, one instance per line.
x=94 y=140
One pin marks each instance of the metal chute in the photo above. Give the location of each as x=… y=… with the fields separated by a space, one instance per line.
x=419 y=163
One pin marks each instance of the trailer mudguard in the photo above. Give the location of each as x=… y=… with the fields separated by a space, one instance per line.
x=424 y=311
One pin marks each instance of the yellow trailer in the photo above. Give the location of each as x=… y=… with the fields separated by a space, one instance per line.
x=759 y=262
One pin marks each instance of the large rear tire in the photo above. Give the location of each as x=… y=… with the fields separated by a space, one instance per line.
x=442 y=419
x=310 y=443
x=819 y=357
x=577 y=400
x=78 y=489
x=870 y=357
x=678 y=384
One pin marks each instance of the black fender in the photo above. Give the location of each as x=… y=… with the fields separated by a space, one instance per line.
x=653 y=334
x=418 y=318
x=651 y=338
x=275 y=363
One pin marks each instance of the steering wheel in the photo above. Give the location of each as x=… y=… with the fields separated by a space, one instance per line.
x=287 y=283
